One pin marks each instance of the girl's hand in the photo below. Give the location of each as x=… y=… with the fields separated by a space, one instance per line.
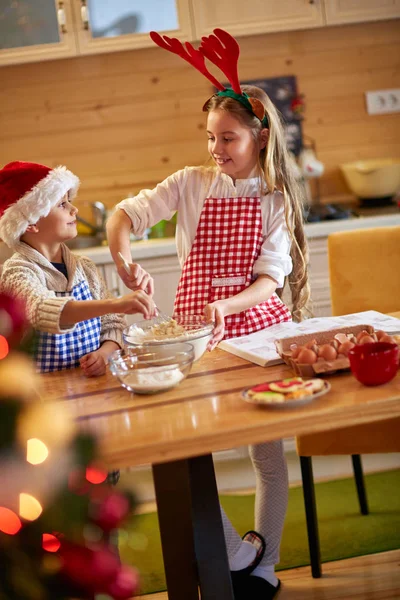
x=136 y=302
x=215 y=312
x=137 y=279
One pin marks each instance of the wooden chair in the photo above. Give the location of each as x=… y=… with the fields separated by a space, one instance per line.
x=364 y=272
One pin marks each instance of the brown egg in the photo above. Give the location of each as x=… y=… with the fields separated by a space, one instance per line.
x=307 y=357
x=387 y=338
x=345 y=347
x=380 y=333
x=327 y=352
x=366 y=339
x=361 y=334
x=335 y=344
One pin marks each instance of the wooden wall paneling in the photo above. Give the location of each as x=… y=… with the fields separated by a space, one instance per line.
x=127 y=120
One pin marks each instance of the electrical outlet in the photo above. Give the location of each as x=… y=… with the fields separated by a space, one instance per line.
x=383 y=101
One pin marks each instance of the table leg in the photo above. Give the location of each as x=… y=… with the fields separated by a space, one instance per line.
x=311 y=514
x=171 y=482
x=212 y=562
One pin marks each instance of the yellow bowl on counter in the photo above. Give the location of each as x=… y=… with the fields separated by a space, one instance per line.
x=375 y=178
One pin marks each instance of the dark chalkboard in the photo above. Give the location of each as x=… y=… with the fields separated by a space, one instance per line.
x=282 y=91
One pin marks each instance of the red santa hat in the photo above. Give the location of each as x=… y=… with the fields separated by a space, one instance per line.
x=28 y=191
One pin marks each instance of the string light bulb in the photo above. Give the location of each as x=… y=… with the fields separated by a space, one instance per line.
x=9 y=521
x=36 y=451
x=29 y=508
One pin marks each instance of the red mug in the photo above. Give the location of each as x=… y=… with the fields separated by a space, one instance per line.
x=375 y=363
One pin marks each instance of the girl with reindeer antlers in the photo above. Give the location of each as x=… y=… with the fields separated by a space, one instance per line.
x=239 y=235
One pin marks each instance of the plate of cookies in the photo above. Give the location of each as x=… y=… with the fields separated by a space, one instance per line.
x=286 y=393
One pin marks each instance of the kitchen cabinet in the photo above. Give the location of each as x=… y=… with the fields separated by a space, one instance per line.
x=356 y=11
x=256 y=16
x=31 y=31
x=319 y=277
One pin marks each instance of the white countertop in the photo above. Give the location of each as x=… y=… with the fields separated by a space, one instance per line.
x=154 y=248
x=324 y=228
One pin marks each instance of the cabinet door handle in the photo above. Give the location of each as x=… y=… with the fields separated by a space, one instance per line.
x=61 y=17
x=84 y=14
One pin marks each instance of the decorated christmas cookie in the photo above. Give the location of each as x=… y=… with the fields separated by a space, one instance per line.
x=286 y=391
x=262 y=387
x=285 y=386
x=314 y=385
x=268 y=397
x=299 y=393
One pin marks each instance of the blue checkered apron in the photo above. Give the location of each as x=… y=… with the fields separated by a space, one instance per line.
x=59 y=351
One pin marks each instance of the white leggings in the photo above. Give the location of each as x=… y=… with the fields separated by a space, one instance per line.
x=272 y=492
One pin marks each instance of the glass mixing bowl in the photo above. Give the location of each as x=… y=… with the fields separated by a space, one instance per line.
x=183 y=328
x=148 y=370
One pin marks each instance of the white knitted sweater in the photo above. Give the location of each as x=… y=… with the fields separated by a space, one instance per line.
x=30 y=276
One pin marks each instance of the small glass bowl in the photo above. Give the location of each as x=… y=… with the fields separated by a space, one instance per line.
x=198 y=332
x=375 y=363
x=145 y=370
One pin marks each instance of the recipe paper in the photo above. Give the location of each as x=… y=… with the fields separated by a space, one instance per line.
x=259 y=347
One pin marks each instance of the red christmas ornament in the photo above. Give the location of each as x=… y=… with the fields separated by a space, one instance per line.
x=91 y=570
x=125 y=584
x=109 y=512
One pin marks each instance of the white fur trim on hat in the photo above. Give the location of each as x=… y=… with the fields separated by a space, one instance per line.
x=37 y=203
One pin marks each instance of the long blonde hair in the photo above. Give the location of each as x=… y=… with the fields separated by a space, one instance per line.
x=276 y=171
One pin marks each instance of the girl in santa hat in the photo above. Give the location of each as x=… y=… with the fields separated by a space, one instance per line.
x=78 y=321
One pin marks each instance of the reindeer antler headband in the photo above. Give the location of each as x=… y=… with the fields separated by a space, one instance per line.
x=223 y=51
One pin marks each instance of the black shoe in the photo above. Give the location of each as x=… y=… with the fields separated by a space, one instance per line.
x=258 y=541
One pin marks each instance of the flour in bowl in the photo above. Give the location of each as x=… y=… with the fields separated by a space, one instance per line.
x=154 y=378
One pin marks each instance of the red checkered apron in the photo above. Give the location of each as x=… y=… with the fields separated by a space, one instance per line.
x=220 y=265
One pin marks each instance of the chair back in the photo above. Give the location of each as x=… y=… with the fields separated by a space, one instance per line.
x=364 y=270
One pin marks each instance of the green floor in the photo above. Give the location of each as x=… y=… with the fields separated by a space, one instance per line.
x=343 y=531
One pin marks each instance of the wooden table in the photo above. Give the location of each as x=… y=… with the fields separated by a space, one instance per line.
x=176 y=431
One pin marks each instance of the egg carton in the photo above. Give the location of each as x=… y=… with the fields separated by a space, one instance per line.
x=322 y=367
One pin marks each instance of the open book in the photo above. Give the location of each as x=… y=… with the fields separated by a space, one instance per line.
x=260 y=348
